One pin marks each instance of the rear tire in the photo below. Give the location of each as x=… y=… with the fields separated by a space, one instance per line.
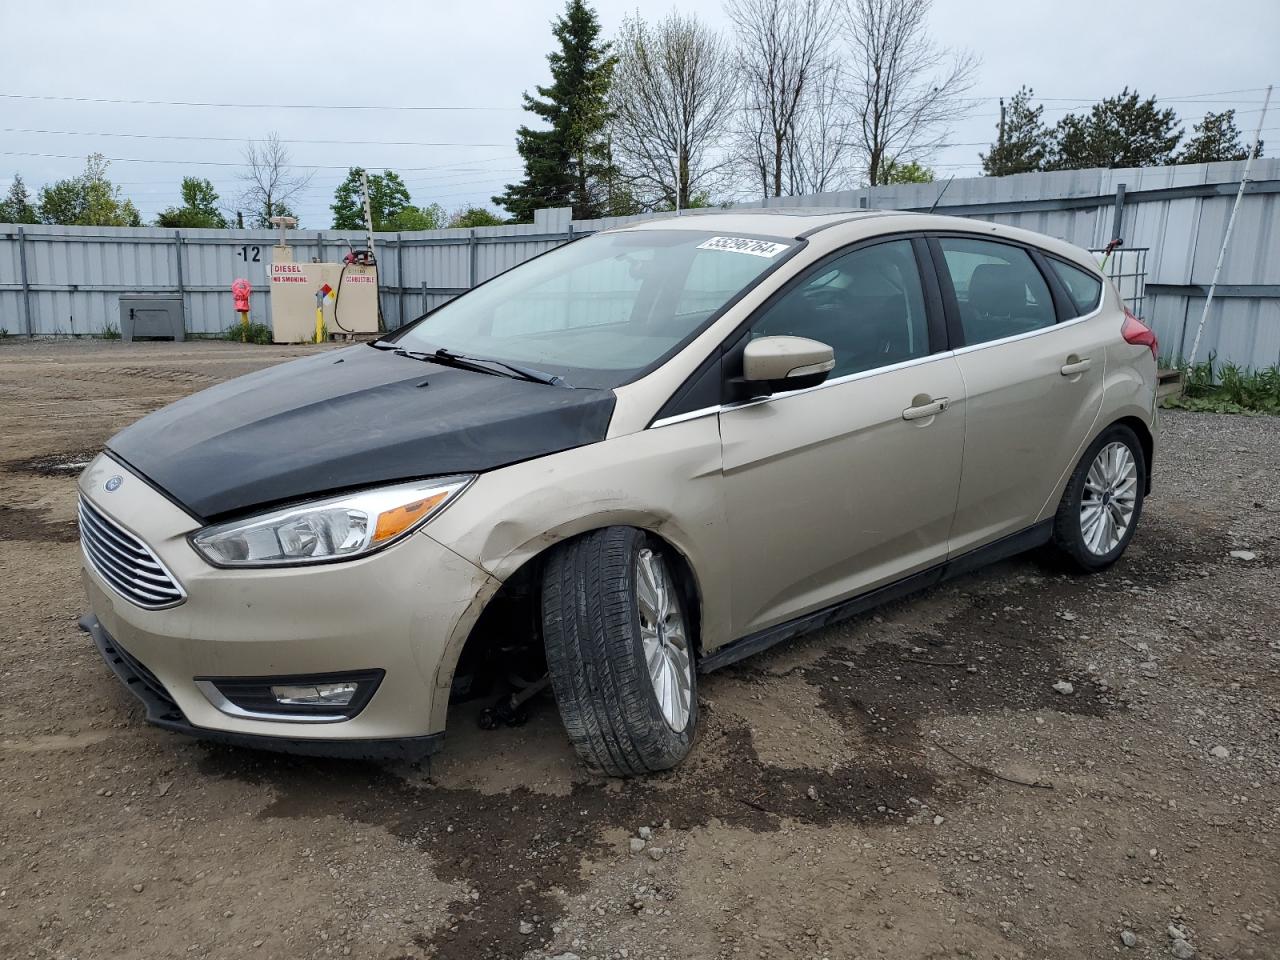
x=619 y=652
x=1103 y=500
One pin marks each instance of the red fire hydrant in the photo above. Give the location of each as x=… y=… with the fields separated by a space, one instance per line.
x=240 y=292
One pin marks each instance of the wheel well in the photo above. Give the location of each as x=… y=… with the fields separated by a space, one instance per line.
x=688 y=583
x=507 y=636
x=1148 y=444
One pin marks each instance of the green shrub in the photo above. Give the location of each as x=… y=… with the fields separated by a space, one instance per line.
x=253 y=333
x=1227 y=388
x=110 y=332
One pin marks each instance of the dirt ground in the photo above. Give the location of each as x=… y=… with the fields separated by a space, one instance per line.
x=908 y=784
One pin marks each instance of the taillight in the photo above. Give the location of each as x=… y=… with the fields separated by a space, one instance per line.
x=1136 y=332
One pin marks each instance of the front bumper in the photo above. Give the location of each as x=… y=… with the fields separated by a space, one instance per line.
x=164 y=712
x=405 y=611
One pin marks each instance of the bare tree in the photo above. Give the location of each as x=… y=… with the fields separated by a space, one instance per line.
x=819 y=149
x=269 y=180
x=904 y=90
x=673 y=94
x=782 y=52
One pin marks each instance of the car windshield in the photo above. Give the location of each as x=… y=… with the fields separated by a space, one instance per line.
x=604 y=309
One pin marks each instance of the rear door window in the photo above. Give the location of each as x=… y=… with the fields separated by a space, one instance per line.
x=1084 y=287
x=999 y=289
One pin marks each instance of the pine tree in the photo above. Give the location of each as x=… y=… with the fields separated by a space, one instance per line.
x=1121 y=131
x=199 y=207
x=898 y=171
x=566 y=164
x=1022 y=139
x=1216 y=137
x=17 y=207
x=388 y=197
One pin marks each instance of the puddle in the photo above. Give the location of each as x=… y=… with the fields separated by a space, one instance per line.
x=32 y=524
x=67 y=464
x=514 y=834
x=517 y=843
x=518 y=854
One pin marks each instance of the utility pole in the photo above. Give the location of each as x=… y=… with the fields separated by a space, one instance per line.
x=1000 y=138
x=677 y=181
x=1231 y=222
x=368 y=209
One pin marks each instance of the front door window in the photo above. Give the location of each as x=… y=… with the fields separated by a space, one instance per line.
x=867 y=305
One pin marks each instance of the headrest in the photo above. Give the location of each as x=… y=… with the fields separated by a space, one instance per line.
x=997 y=290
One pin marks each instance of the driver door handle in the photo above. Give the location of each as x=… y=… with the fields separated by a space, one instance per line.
x=1075 y=365
x=925 y=410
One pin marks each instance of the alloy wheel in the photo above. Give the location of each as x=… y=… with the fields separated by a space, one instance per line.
x=665 y=639
x=1109 y=498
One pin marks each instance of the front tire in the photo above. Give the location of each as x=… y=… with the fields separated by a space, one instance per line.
x=1103 y=500
x=619 y=651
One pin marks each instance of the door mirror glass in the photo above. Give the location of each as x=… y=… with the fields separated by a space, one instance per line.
x=777 y=364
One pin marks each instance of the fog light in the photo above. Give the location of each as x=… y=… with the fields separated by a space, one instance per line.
x=305 y=698
x=327 y=694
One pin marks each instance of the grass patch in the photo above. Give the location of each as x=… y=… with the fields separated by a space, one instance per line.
x=1211 y=387
x=252 y=333
x=110 y=332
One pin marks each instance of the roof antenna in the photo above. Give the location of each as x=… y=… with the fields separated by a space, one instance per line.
x=941 y=192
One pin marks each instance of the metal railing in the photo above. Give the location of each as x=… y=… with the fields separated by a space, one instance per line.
x=1126 y=267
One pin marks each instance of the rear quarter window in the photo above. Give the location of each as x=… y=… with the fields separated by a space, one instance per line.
x=1084 y=287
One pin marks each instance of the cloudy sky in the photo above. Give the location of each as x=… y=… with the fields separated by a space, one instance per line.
x=476 y=57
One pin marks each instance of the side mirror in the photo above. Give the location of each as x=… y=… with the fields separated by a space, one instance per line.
x=778 y=364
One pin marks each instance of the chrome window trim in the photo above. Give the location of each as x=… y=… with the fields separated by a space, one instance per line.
x=223 y=705
x=970 y=348
x=838 y=381
x=682 y=417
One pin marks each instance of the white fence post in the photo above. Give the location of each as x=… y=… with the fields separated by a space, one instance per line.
x=1231 y=222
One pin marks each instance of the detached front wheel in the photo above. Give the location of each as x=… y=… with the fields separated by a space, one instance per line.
x=619 y=651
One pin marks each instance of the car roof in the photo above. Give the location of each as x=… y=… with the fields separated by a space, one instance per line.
x=794 y=223
x=785 y=223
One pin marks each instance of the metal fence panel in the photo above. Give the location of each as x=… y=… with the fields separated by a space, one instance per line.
x=75 y=275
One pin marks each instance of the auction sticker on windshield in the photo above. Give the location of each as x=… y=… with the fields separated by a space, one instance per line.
x=756 y=248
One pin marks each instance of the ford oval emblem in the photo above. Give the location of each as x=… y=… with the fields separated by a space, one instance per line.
x=113 y=484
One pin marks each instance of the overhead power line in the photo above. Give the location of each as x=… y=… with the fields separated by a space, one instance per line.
x=177 y=136
x=247 y=106
x=1181 y=96
x=217 y=163
x=1191 y=97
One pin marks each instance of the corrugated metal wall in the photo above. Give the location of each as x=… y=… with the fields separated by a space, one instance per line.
x=74 y=275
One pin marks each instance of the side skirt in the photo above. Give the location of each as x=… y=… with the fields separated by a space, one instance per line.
x=1005 y=547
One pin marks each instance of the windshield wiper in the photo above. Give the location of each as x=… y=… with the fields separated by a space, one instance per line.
x=528 y=373
x=485 y=365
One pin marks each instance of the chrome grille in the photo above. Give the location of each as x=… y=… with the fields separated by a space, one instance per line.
x=125 y=562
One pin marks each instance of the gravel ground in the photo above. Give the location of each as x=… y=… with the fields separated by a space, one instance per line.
x=912 y=783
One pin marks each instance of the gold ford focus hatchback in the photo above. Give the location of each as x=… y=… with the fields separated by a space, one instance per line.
x=637 y=458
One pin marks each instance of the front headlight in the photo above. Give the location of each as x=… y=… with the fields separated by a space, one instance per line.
x=339 y=528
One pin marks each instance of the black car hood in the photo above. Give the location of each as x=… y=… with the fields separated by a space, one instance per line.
x=346 y=419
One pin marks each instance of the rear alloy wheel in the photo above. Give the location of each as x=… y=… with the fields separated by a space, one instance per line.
x=619 y=652
x=1103 y=500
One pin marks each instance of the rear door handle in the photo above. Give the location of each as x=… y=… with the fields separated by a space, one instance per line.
x=1075 y=365
x=925 y=410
